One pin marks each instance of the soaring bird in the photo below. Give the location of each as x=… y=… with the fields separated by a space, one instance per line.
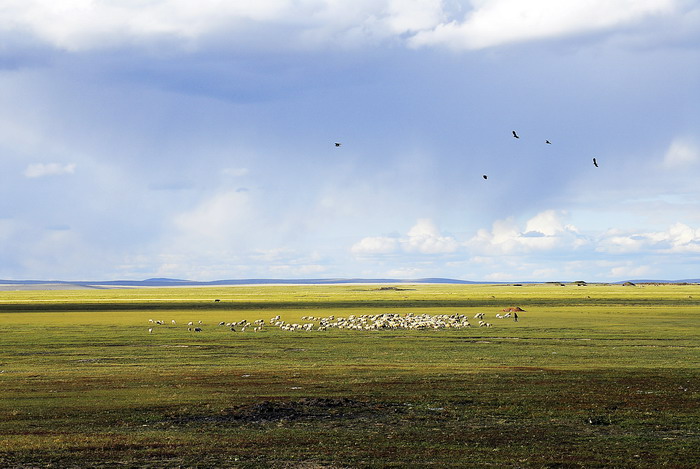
x=337 y=144
x=547 y=142
x=485 y=176
x=515 y=135
x=595 y=163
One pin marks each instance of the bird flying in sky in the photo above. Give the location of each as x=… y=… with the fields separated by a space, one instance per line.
x=515 y=135
x=595 y=163
x=337 y=144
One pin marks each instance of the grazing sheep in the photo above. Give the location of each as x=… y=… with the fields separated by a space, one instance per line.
x=198 y=329
x=150 y=330
x=387 y=321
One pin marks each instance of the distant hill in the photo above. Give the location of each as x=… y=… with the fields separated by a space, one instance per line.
x=172 y=282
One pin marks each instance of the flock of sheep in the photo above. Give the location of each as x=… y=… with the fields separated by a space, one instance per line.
x=365 y=322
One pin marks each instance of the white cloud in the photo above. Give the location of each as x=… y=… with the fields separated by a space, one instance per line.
x=87 y=25
x=412 y=15
x=681 y=152
x=48 y=169
x=679 y=238
x=497 y=22
x=423 y=238
x=375 y=245
x=545 y=231
x=547 y=223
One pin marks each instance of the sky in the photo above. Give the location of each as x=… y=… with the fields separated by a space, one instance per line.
x=196 y=140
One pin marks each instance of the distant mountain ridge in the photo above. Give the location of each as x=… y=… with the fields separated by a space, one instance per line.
x=171 y=282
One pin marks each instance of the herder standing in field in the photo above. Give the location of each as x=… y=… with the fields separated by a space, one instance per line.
x=515 y=317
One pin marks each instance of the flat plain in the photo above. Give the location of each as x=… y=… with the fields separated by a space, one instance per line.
x=589 y=376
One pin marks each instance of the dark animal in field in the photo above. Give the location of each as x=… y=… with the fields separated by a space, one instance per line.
x=595 y=163
x=515 y=134
x=198 y=329
x=216 y=300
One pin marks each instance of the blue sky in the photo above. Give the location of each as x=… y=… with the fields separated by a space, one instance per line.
x=169 y=138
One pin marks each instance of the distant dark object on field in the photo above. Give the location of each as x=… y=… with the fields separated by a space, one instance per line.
x=337 y=144
x=216 y=300
x=485 y=176
x=515 y=135
x=547 y=142
x=595 y=163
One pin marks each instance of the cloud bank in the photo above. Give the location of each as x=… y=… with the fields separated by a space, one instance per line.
x=536 y=249
x=423 y=238
x=496 y=22
x=80 y=25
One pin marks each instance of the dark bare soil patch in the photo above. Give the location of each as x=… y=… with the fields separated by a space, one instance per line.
x=310 y=409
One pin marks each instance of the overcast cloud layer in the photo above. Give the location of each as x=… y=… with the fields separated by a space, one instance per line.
x=170 y=138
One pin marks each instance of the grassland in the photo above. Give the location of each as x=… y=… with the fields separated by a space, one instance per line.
x=590 y=376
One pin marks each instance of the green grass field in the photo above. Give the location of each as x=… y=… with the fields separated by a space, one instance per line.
x=590 y=376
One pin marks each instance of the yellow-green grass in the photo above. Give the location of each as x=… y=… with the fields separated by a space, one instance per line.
x=590 y=376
